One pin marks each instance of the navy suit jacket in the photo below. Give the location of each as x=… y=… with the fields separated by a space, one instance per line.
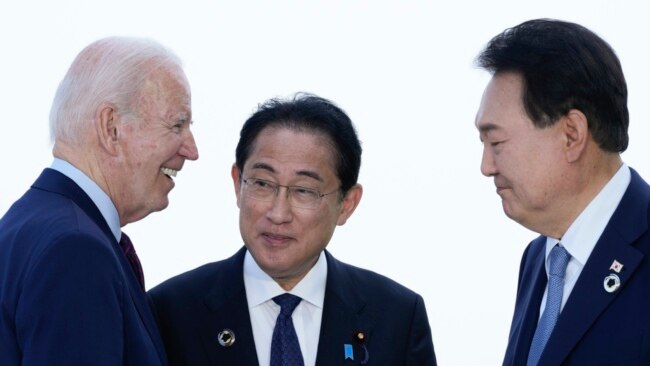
x=194 y=307
x=67 y=293
x=595 y=327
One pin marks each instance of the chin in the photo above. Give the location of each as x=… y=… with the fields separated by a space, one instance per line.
x=163 y=206
x=273 y=269
x=163 y=202
x=508 y=211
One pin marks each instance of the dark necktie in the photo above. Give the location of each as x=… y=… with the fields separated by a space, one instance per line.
x=129 y=252
x=285 y=349
x=559 y=258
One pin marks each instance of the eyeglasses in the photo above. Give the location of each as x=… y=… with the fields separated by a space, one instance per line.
x=300 y=197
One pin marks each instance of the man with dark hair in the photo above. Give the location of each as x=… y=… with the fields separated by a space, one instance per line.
x=283 y=299
x=553 y=121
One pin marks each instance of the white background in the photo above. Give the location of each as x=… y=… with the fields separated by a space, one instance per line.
x=404 y=72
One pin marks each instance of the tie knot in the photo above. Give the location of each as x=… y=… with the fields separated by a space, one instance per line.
x=287 y=302
x=559 y=258
x=126 y=244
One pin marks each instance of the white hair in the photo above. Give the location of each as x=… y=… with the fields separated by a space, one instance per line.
x=110 y=70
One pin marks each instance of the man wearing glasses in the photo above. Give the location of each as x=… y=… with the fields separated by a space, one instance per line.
x=283 y=299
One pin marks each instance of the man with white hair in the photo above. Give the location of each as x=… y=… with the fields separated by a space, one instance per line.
x=71 y=285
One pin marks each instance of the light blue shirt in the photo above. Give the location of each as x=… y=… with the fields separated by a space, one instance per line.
x=99 y=197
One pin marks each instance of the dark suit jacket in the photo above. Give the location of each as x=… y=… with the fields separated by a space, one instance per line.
x=67 y=293
x=595 y=327
x=194 y=307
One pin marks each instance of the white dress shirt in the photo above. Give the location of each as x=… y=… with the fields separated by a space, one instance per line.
x=260 y=291
x=583 y=234
x=99 y=197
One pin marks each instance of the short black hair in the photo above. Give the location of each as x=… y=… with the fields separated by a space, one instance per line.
x=307 y=112
x=564 y=66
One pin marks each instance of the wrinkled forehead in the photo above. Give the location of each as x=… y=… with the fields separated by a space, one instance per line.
x=168 y=79
x=164 y=88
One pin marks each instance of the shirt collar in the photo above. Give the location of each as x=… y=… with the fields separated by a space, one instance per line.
x=99 y=197
x=260 y=287
x=583 y=234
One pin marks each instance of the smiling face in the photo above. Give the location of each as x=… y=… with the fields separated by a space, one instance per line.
x=526 y=162
x=286 y=241
x=154 y=145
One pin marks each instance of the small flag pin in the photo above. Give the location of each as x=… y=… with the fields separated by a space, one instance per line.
x=616 y=266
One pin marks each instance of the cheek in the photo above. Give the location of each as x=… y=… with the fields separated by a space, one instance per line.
x=323 y=226
x=519 y=167
x=535 y=189
x=250 y=212
x=164 y=153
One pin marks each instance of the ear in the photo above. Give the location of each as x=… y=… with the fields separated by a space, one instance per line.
x=576 y=134
x=106 y=126
x=236 y=180
x=350 y=203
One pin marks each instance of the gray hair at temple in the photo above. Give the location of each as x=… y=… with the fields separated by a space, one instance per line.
x=110 y=70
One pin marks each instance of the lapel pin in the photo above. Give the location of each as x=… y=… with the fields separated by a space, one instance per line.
x=616 y=266
x=226 y=338
x=611 y=283
x=360 y=338
x=349 y=352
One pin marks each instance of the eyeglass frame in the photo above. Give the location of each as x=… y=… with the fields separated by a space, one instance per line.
x=276 y=191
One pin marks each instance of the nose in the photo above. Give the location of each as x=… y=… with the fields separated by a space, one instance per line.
x=280 y=210
x=488 y=168
x=188 y=148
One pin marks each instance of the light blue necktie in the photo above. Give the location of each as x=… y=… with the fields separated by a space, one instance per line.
x=285 y=349
x=559 y=258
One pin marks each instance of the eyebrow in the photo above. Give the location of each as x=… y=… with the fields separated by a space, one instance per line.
x=305 y=173
x=184 y=118
x=310 y=174
x=263 y=166
x=487 y=127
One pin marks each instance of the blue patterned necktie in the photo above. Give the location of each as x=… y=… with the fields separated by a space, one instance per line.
x=559 y=258
x=285 y=349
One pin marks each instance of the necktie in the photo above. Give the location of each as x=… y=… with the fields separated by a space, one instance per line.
x=285 y=349
x=559 y=258
x=129 y=252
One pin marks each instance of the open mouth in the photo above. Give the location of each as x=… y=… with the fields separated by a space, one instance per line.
x=169 y=172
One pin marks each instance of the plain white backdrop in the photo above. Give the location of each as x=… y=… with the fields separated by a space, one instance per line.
x=403 y=70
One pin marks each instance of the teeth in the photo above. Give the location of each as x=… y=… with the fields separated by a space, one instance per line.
x=169 y=172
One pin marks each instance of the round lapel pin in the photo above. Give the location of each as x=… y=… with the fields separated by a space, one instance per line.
x=611 y=283
x=226 y=338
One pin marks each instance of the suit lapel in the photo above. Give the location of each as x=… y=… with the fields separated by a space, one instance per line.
x=53 y=181
x=139 y=298
x=228 y=309
x=342 y=316
x=589 y=298
x=532 y=283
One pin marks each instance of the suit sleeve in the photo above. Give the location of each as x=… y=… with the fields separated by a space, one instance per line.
x=70 y=308
x=420 y=349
